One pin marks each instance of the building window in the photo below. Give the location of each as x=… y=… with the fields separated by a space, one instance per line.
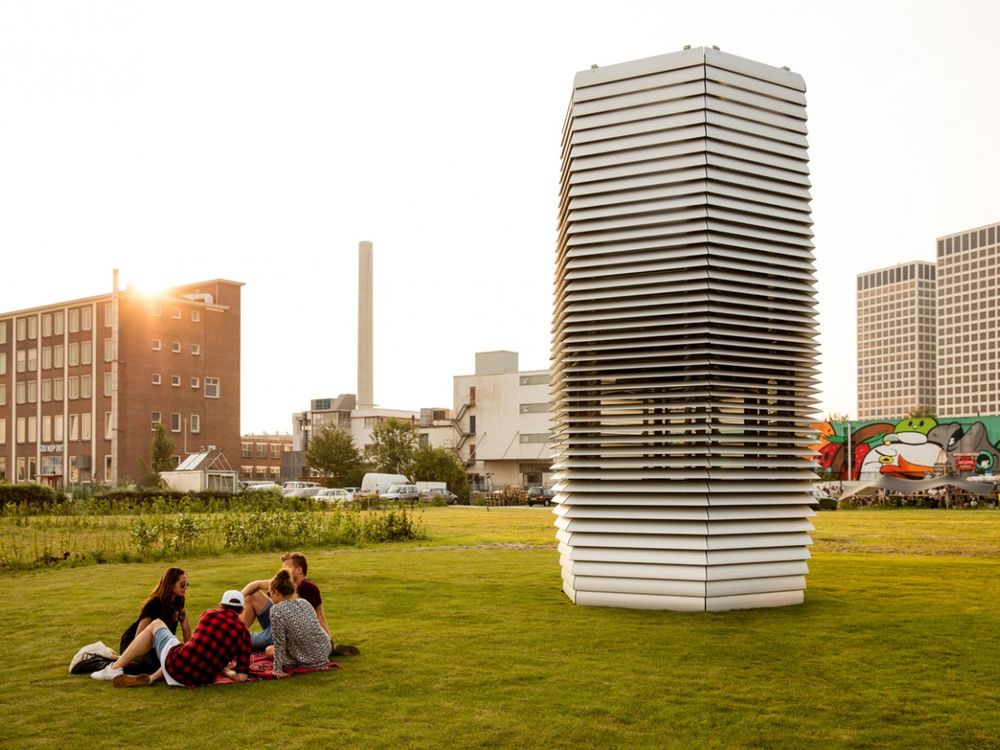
x=57 y=323
x=156 y=378
x=74 y=387
x=3 y=438
x=20 y=393
x=212 y=387
x=195 y=423
x=21 y=429
x=46 y=429
x=175 y=422
x=175 y=347
x=3 y=393
x=195 y=316
x=85 y=352
x=156 y=345
x=3 y=363
x=32 y=360
x=32 y=391
x=175 y=381
x=247 y=450
x=32 y=328
x=22 y=329
x=74 y=320
x=57 y=389
x=275 y=451
x=85 y=386
x=46 y=357
x=107 y=384
x=261 y=450
x=74 y=354
x=175 y=314
x=21 y=360
x=109 y=314
x=32 y=429
x=46 y=324
x=57 y=355
x=154 y=419
x=195 y=383
x=195 y=349
x=108 y=467
x=46 y=390
x=57 y=428
x=108 y=425
x=3 y=331
x=85 y=426
x=109 y=349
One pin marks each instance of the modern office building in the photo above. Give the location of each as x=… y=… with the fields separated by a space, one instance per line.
x=896 y=341
x=84 y=382
x=684 y=330
x=968 y=340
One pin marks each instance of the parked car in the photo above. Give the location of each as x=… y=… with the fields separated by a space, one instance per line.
x=302 y=492
x=433 y=493
x=540 y=496
x=352 y=490
x=298 y=485
x=261 y=486
x=334 y=495
x=401 y=492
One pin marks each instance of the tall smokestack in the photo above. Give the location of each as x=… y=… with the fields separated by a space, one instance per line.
x=366 y=398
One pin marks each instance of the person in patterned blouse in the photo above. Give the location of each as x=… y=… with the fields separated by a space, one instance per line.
x=299 y=639
x=219 y=638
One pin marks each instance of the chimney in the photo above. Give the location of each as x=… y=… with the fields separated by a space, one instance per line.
x=366 y=399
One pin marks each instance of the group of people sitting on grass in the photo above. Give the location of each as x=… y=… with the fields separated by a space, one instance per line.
x=288 y=607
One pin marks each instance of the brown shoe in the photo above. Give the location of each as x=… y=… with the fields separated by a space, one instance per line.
x=344 y=649
x=130 y=680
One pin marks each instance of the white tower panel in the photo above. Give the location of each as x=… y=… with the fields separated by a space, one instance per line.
x=684 y=336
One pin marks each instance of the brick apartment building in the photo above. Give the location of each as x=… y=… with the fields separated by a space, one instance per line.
x=261 y=456
x=83 y=382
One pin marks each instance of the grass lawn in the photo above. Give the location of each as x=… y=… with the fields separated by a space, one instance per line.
x=468 y=641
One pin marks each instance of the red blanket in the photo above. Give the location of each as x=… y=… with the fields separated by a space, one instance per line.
x=261 y=666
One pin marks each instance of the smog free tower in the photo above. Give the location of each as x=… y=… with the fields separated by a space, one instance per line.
x=684 y=353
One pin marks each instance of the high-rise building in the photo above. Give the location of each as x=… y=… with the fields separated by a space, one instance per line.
x=684 y=350
x=968 y=303
x=83 y=383
x=896 y=341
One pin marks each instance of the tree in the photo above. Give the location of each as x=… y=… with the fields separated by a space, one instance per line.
x=161 y=457
x=441 y=465
x=394 y=443
x=921 y=412
x=333 y=454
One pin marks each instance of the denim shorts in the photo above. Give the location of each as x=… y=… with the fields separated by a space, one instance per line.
x=263 y=639
x=163 y=642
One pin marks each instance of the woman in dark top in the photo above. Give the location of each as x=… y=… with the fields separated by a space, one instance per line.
x=165 y=602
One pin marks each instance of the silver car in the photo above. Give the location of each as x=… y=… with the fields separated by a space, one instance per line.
x=334 y=495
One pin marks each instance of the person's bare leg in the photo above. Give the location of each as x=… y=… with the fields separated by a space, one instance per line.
x=142 y=643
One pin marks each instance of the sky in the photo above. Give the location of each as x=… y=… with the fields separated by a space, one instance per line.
x=261 y=141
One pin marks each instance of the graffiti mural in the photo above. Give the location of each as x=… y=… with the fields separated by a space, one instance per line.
x=913 y=448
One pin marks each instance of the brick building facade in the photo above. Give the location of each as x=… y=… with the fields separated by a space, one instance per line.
x=83 y=382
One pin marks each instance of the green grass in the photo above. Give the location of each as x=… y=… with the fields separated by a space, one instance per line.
x=468 y=641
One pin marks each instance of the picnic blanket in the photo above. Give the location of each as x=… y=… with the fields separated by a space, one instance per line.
x=262 y=666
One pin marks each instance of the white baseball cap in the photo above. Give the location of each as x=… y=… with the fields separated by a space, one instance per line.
x=232 y=598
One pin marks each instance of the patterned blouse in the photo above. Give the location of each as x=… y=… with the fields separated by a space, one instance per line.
x=299 y=640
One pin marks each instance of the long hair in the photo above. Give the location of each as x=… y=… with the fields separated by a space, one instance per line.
x=282 y=583
x=164 y=591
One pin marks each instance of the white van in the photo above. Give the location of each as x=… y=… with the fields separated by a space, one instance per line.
x=374 y=483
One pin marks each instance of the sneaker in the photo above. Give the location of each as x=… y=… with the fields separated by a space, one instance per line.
x=344 y=649
x=130 y=680
x=108 y=673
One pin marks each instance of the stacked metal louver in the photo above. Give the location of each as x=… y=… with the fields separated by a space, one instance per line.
x=684 y=352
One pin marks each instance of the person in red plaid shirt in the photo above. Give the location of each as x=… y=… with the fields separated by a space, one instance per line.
x=219 y=638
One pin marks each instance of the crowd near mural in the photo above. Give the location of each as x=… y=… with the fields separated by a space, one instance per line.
x=911 y=448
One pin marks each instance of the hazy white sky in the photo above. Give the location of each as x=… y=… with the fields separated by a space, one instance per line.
x=260 y=141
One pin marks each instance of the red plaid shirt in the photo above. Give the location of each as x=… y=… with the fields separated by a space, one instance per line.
x=219 y=638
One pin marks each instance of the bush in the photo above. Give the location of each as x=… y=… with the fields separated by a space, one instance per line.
x=30 y=494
